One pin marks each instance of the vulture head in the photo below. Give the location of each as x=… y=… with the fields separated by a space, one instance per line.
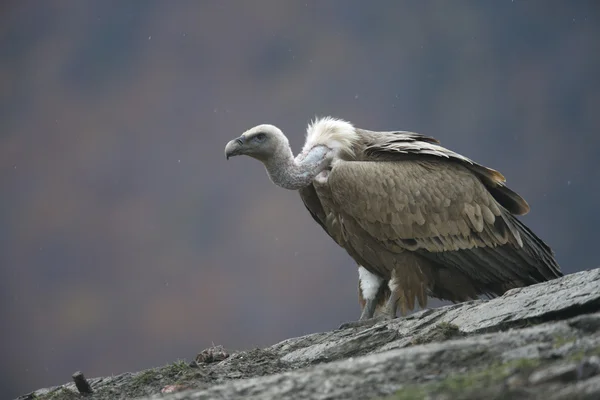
x=261 y=142
x=326 y=138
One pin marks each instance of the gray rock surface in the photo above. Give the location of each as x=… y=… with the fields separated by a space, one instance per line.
x=541 y=341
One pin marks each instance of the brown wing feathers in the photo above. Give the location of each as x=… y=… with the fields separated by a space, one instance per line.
x=442 y=213
x=409 y=145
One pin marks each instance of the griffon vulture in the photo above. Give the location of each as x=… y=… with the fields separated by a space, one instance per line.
x=419 y=219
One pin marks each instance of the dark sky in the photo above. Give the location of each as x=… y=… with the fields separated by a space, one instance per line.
x=126 y=239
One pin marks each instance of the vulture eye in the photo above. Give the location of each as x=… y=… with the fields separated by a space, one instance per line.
x=259 y=137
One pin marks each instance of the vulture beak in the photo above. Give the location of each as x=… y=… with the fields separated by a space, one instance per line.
x=234 y=147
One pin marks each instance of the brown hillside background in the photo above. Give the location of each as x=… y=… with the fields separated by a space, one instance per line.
x=126 y=239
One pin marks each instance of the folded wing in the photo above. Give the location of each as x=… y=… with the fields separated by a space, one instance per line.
x=443 y=211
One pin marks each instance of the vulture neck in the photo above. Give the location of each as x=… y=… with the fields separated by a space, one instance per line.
x=296 y=173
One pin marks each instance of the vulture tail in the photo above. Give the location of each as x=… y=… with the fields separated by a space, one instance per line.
x=538 y=253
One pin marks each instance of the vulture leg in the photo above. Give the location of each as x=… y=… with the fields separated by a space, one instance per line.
x=368 y=310
x=391 y=306
x=372 y=294
x=389 y=311
x=369 y=292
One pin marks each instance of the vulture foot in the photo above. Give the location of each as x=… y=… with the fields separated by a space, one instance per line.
x=365 y=322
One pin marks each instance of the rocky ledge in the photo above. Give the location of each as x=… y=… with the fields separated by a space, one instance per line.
x=538 y=342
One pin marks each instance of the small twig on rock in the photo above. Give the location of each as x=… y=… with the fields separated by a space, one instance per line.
x=82 y=384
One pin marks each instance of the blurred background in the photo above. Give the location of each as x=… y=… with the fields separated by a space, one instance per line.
x=126 y=239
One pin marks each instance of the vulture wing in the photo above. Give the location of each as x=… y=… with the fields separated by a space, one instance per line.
x=408 y=145
x=434 y=203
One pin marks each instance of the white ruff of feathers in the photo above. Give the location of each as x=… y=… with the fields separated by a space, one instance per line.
x=334 y=133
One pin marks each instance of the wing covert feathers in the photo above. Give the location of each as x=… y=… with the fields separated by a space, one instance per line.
x=408 y=145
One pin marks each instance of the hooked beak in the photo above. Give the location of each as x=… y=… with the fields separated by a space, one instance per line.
x=234 y=147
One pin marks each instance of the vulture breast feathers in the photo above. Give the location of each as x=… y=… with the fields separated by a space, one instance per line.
x=424 y=218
